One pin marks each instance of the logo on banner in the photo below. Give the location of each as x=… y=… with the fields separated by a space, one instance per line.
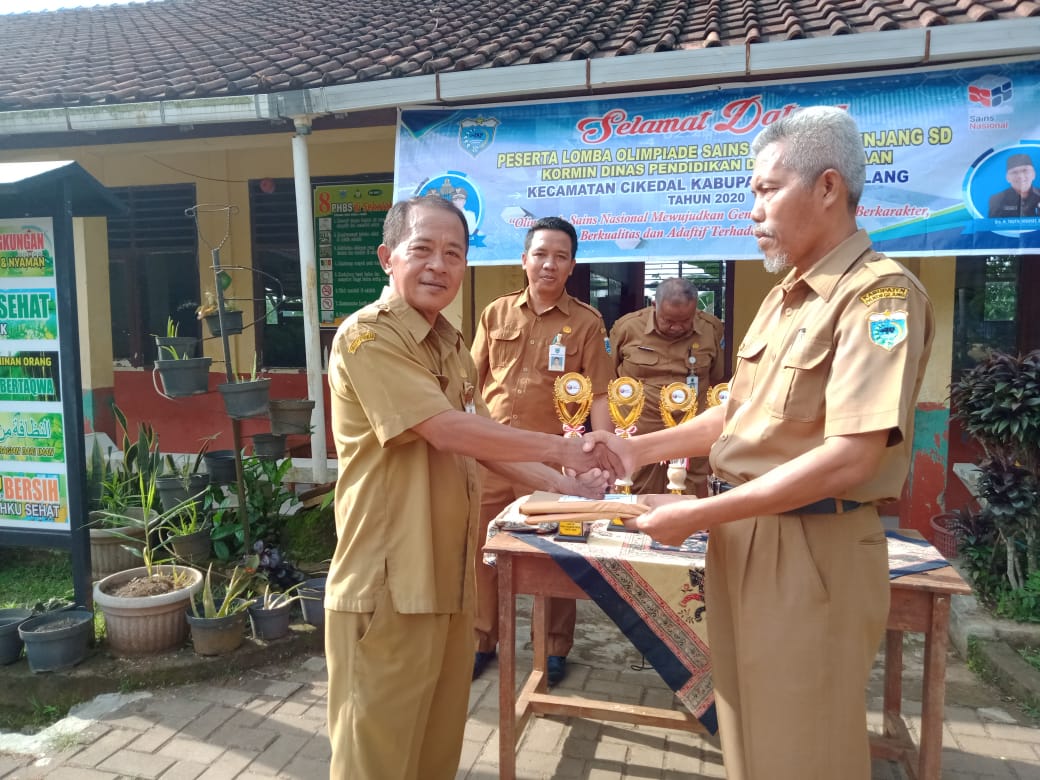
x=463 y=193
x=990 y=91
x=477 y=133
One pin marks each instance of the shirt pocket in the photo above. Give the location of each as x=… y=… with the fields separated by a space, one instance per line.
x=504 y=347
x=749 y=357
x=640 y=363
x=803 y=381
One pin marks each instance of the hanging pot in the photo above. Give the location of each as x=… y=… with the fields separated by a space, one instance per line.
x=270 y=446
x=245 y=399
x=174 y=491
x=57 y=640
x=220 y=465
x=10 y=640
x=193 y=548
x=232 y=323
x=290 y=415
x=176 y=347
x=182 y=377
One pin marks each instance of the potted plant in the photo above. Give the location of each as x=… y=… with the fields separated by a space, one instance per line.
x=246 y=397
x=144 y=606
x=182 y=373
x=10 y=640
x=180 y=482
x=175 y=347
x=57 y=640
x=271 y=612
x=269 y=445
x=118 y=522
x=186 y=531
x=217 y=622
x=998 y=403
x=232 y=317
x=290 y=415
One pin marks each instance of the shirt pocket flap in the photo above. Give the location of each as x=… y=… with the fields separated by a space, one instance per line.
x=642 y=357
x=751 y=349
x=807 y=354
x=505 y=334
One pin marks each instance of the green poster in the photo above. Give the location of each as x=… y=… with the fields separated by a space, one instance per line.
x=26 y=249
x=29 y=376
x=35 y=498
x=348 y=227
x=32 y=436
x=29 y=315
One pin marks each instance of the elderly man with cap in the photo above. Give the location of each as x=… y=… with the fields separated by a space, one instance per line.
x=1021 y=199
x=671 y=341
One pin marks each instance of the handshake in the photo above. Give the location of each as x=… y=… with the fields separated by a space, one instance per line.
x=596 y=460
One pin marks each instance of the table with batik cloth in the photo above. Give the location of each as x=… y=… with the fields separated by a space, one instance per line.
x=654 y=594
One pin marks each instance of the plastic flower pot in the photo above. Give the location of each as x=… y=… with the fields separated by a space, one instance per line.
x=290 y=415
x=232 y=323
x=270 y=622
x=57 y=640
x=312 y=601
x=10 y=640
x=246 y=399
x=220 y=465
x=217 y=635
x=182 y=378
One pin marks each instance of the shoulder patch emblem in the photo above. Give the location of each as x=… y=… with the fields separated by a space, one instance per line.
x=884 y=292
x=359 y=339
x=887 y=329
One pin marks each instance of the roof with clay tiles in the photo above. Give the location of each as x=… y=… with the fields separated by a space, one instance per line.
x=181 y=49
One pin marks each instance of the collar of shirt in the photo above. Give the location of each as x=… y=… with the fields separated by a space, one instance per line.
x=823 y=277
x=563 y=303
x=417 y=324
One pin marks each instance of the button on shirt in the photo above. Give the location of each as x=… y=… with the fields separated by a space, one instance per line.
x=511 y=352
x=655 y=359
x=406 y=514
x=839 y=351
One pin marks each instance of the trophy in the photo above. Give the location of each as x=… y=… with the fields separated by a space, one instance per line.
x=718 y=394
x=677 y=398
x=568 y=389
x=572 y=394
x=625 y=400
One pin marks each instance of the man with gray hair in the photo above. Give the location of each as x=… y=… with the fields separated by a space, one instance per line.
x=671 y=341
x=817 y=430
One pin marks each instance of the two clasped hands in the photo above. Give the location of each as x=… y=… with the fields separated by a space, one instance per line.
x=598 y=458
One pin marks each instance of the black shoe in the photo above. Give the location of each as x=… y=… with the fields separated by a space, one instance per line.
x=557 y=669
x=480 y=662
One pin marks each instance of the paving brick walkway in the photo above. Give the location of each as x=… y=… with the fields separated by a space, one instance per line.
x=270 y=722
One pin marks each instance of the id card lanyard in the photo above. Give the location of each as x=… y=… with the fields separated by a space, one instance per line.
x=557 y=354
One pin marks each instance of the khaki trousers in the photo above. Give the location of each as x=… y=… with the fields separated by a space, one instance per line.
x=495 y=495
x=797 y=607
x=398 y=693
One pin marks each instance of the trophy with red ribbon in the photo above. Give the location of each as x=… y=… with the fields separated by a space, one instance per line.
x=625 y=400
x=572 y=393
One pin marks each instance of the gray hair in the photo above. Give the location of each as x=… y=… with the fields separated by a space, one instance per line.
x=395 y=224
x=675 y=289
x=818 y=138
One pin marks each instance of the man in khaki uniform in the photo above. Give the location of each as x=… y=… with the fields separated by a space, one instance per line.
x=671 y=341
x=399 y=598
x=818 y=427
x=524 y=341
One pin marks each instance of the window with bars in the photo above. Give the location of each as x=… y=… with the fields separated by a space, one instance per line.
x=153 y=269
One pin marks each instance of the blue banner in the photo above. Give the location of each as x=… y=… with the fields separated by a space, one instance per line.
x=952 y=156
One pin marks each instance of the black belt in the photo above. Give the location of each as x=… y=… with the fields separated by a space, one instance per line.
x=825 y=506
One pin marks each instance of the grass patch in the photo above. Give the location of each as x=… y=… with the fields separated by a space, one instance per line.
x=1031 y=655
x=31 y=576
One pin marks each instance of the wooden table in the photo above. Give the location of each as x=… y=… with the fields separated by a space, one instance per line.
x=920 y=603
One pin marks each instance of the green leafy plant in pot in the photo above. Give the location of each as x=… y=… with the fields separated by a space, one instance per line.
x=998 y=403
x=217 y=619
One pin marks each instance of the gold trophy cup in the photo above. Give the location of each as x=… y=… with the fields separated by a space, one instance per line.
x=572 y=394
x=677 y=399
x=718 y=394
x=625 y=400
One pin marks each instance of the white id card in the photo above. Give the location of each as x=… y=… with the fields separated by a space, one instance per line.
x=557 y=357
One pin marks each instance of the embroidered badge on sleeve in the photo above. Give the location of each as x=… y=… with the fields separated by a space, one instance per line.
x=888 y=328
x=359 y=339
x=884 y=292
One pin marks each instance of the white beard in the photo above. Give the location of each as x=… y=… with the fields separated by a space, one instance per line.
x=776 y=263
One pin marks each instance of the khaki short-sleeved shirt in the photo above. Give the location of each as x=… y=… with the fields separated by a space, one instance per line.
x=840 y=351
x=644 y=353
x=406 y=513
x=511 y=352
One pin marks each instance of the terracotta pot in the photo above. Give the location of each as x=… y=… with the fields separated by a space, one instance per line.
x=142 y=625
